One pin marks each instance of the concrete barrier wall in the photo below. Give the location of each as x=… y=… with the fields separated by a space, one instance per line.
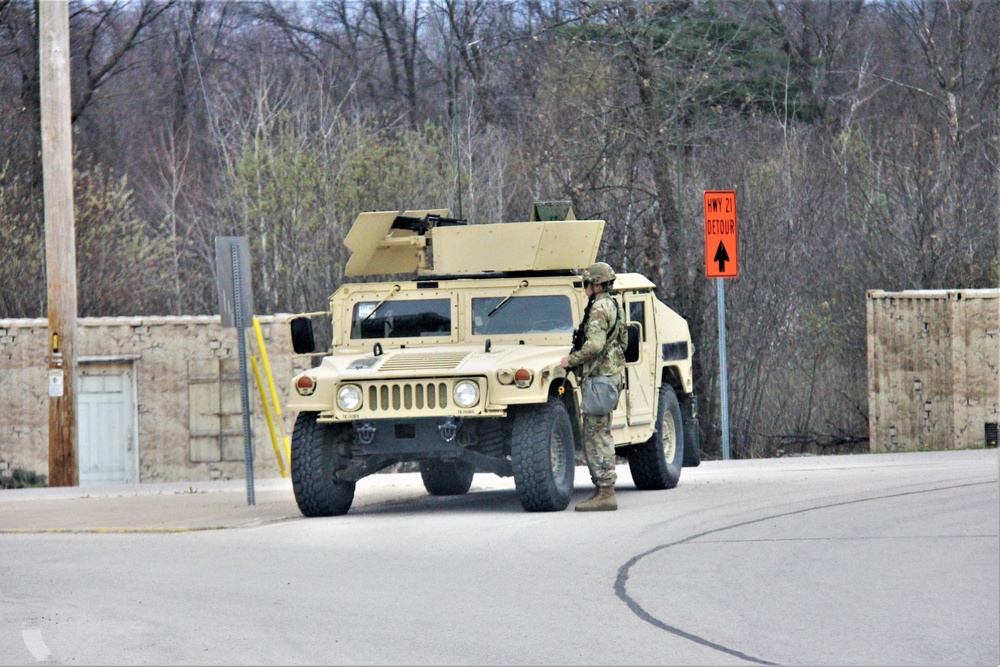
x=186 y=405
x=933 y=368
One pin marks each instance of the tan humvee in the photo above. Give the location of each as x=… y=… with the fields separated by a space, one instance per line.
x=458 y=367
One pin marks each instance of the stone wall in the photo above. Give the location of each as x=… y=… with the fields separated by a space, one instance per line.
x=187 y=403
x=933 y=369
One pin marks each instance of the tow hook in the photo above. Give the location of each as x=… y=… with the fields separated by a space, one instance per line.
x=448 y=430
x=366 y=433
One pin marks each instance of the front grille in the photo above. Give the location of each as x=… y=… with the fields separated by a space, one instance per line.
x=392 y=397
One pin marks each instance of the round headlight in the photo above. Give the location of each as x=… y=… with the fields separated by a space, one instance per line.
x=349 y=397
x=466 y=394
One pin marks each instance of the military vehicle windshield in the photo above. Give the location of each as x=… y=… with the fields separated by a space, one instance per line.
x=401 y=319
x=521 y=315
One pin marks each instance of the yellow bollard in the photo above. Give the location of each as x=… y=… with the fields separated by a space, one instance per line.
x=267 y=366
x=270 y=420
x=270 y=384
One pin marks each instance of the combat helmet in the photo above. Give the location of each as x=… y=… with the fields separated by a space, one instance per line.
x=598 y=273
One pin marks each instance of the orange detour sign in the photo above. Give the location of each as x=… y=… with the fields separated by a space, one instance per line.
x=721 y=252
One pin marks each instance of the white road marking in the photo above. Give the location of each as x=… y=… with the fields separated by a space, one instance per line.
x=33 y=640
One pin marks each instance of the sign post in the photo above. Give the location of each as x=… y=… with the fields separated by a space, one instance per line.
x=721 y=261
x=232 y=260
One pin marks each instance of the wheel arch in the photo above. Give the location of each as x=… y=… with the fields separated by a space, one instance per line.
x=671 y=375
x=569 y=399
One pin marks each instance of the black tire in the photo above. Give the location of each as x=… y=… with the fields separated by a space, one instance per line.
x=446 y=478
x=543 y=456
x=656 y=463
x=314 y=459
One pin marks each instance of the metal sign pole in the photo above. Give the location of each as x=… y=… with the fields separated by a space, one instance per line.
x=720 y=291
x=232 y=276
x=242 y=344
x=721 y=262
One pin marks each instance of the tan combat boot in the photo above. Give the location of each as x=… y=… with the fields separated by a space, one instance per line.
x=603 y=500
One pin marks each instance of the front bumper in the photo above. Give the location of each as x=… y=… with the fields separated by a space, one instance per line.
x=409 y=436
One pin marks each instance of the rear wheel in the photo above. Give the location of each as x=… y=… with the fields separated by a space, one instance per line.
x=656 y=463
x=314 y=460
x=542 y=456
x=446 y=478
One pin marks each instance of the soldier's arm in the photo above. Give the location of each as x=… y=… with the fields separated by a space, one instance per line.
x=596 y=337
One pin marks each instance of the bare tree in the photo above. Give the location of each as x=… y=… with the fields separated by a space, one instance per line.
x=816 y=37
x=175 y=156
x=398 y=29
x=20 y=142
x=105 y=32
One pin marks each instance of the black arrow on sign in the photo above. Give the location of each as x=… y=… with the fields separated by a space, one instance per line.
x=721 y=256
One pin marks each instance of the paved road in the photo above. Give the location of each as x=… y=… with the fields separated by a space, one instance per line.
x=853 y=560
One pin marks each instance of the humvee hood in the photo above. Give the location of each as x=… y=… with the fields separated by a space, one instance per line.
x=455 y=360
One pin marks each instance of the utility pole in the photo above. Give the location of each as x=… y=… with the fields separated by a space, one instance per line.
x=60 y=238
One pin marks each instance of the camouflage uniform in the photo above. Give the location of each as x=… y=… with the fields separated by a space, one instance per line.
x=602 y=353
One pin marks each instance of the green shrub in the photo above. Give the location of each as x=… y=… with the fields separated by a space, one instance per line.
x=21 y=478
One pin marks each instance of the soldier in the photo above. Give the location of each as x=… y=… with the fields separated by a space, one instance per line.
x=601 y=353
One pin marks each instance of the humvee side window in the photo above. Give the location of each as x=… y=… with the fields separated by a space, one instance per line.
x=521 y=315
x=637 y=313
x=401 y=319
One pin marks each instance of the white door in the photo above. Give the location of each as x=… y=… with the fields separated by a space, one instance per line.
x=106 y=419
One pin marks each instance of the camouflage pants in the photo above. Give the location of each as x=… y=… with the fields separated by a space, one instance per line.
x=599 y=449
x=599 y=446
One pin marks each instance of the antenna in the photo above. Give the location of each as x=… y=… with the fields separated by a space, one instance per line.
x=454 y=128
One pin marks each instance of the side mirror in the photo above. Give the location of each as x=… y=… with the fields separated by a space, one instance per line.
x=303 y=341
x=632 y=349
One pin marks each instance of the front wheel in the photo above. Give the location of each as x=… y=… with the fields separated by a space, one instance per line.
x=314 y=460
x=656 y=463
x=542 y=456
x=446 y=478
